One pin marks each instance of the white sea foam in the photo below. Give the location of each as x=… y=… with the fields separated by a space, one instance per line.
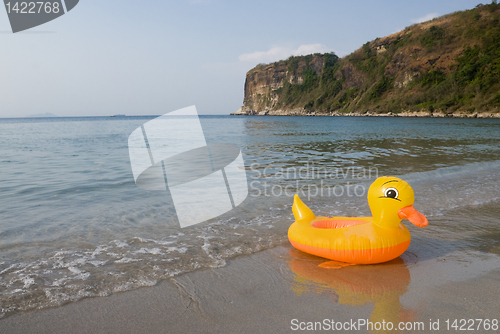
x=126 y=260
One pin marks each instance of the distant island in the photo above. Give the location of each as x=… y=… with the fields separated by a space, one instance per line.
x=446 y=67
x=47 y=114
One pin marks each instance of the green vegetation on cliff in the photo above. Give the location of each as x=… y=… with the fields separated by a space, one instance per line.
x=449 y=64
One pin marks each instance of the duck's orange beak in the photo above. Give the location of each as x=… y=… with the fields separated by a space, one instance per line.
x=415 y=217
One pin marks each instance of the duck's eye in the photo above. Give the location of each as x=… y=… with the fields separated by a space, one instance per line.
x=391 y=193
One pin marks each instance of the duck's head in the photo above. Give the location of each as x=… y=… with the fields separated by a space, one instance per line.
x=390 y=200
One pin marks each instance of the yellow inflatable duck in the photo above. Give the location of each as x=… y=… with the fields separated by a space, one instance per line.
x=360 y=240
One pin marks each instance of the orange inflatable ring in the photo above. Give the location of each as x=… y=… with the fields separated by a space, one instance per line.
x=360 y=240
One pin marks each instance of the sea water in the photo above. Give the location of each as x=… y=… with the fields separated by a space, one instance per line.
x=73 y=224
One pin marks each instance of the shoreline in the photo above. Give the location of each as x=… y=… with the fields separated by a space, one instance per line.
x=302 y=112
x=263 y=293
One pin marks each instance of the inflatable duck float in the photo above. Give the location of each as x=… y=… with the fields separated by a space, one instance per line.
x=360 y=240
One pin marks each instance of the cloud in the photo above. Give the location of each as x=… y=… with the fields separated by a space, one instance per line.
x=424 y=18
x=279 y=52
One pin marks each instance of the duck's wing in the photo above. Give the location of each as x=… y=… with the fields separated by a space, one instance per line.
x=339 y=222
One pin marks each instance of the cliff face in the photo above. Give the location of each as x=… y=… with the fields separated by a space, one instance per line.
x=450 y=65
x=264 y=83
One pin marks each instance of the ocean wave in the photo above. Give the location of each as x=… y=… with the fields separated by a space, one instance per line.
x=121 y=265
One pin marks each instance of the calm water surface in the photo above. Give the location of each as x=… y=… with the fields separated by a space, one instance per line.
x=73 y=224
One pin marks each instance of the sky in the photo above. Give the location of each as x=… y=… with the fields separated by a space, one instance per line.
x=153 y=57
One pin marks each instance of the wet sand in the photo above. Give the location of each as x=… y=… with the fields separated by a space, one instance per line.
x=264 y=292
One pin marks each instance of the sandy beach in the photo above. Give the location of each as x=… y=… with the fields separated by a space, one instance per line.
x=265 y=292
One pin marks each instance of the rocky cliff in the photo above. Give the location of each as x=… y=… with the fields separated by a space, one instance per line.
x=444 y=67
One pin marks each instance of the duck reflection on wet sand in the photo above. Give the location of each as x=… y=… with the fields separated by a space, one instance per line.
x=382 y=284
